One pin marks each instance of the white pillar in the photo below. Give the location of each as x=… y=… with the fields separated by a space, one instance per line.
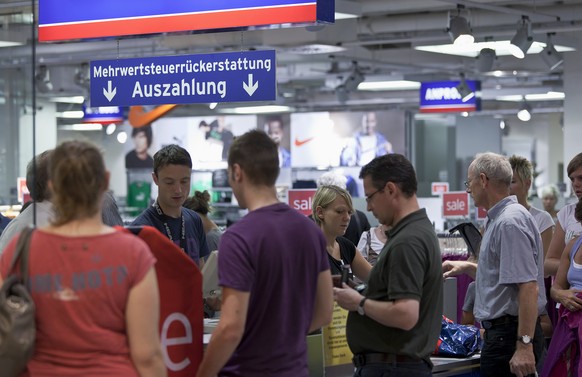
x=572 y=106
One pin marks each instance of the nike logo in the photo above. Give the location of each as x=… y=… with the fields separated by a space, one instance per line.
x=138 y=117
x=299 y=143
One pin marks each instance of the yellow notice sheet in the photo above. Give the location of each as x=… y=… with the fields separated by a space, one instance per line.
x=335 y=344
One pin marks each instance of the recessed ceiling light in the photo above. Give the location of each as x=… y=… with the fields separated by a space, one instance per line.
x=502 y=48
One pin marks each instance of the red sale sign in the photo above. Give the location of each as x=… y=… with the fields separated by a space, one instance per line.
x=301 y=200
x=456 y=204
x=438 y=188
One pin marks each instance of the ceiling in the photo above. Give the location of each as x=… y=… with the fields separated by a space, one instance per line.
x=379 y=44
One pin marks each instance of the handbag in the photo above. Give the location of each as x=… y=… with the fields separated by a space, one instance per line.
x=17 y=326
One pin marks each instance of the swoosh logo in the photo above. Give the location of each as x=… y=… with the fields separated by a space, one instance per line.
x=138 y=117
x=299 y=143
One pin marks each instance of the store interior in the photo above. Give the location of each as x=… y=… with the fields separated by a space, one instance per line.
x=372 y=59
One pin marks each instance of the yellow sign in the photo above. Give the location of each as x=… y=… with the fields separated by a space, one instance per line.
x=335 y=344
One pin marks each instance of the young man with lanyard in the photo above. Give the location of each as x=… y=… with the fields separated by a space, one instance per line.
x=172 y=172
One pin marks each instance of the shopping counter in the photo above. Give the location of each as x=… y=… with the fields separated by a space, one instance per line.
x=443 y=367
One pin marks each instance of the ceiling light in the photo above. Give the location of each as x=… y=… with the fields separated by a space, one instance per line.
x=261 y=109
x=71 y=114
x=549 y=96
x=485 y=59
x=464 y=90
x=343 y=95
x=345 y=9
x=87 y=127
x=502 y=124
x=502 y=48
x=73 y=99
x=110 y=129
x=313 y=49
x=122 y=137
x=522 y=40
x=389 y=85
x=460 y=30
x=354 y=80
x=213 y=105
x=550 y=56
x=524 y=113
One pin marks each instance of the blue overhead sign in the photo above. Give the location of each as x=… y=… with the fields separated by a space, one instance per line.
x=204 y=78
x=73 y=19
x=444 y=97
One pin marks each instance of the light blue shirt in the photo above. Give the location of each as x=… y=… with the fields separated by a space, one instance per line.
x=511 y=253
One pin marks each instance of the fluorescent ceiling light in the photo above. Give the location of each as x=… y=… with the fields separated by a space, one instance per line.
x=389 y=85
x=261 y=109
x=549 y=96
x=313 y=49
x=85 y=127
x=345 y=9
x=502 y=48
x=72 y=99
x=71 y=114
x=9 y=44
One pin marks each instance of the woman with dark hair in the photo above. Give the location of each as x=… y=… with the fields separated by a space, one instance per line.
x=95 y=289
x=567 y=227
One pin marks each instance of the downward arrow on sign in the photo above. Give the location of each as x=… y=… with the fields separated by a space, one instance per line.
x=109 y=93
x=250 y=88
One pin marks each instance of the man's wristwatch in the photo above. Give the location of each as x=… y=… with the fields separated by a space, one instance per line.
x=525 y=339
x=361 y=306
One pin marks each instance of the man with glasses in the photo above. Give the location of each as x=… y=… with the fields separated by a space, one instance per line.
x=394 y=325
x=509 y=286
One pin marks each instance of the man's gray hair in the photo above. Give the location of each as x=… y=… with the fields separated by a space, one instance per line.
x=495 y=166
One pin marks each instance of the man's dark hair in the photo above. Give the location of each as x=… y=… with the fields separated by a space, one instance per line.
x=258 y=157
x=171 y=155
x=392 y=168
x=37 y=177
x=274 y=118
x=147 y=130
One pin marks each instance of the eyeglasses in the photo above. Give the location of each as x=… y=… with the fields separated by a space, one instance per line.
x=467 y=183
x=369 y=197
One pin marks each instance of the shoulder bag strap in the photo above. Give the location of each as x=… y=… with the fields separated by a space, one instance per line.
x=21 y=252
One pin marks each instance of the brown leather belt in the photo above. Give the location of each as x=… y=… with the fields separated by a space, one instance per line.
x=362 y=359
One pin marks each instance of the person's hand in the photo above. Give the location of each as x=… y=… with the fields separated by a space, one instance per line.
x=453 y=268
x=523 y=362
x=569 y=298
x=347 y=297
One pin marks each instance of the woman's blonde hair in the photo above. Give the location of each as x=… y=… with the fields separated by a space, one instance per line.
x=325 y=195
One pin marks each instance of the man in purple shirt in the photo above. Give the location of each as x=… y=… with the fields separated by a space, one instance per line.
x=273 y=270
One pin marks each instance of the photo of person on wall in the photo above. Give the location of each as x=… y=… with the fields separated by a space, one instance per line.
x=366 y=144
x=139 y=158
x=275 y=128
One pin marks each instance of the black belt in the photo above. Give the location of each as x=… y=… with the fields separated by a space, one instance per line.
x=501 y=321
x=362 y=359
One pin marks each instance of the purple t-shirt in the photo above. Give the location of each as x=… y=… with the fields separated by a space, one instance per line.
x=276 y=254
